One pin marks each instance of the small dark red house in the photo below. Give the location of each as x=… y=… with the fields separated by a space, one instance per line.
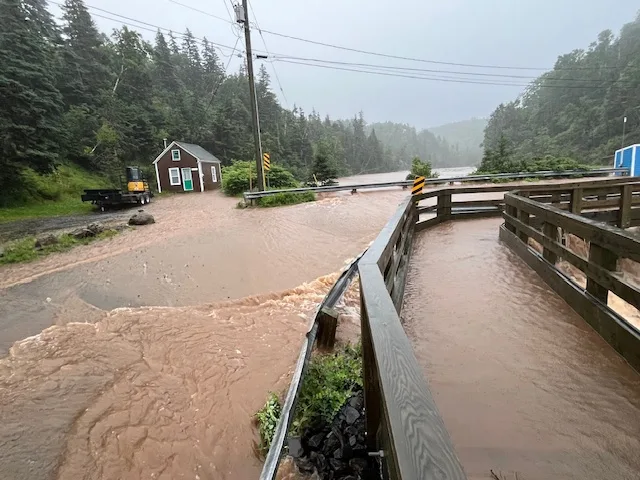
x=186 y=167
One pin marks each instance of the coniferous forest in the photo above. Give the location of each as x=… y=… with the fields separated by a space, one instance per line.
x=73 y=95
x=576 y=110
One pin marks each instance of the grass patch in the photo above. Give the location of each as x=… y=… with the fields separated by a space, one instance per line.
x=286 y=198
x=329 y=382
x=25 y=250
x=65 y=206
x=50 y=195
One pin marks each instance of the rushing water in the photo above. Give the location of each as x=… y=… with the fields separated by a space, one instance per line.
x=145 y=356
x=166 y=386
x=523 y=383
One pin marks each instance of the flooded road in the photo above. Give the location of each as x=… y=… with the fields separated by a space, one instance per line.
x=523 y=383
x=211 y=305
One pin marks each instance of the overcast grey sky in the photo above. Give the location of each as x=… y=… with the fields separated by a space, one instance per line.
x=525 y=33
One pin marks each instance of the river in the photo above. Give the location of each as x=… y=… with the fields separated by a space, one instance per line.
x=146 y=355
x=523 y=383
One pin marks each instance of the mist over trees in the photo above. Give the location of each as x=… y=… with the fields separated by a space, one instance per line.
x=577 y=109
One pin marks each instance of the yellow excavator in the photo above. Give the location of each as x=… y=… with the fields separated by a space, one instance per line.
x=137 y=192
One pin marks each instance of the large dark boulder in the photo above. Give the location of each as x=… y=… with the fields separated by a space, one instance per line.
x=142 y=218
x=46 y=240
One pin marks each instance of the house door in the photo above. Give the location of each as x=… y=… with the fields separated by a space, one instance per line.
x=187 y=180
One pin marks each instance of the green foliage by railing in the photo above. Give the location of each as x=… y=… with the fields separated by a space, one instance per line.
x=286 y=198
x=421 y=169
x=235 y=178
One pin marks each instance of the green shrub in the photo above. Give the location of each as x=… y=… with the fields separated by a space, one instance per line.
x=286 y=198
x=267 y=420
x=235 y=178
x=329 y=382
x=421 y=169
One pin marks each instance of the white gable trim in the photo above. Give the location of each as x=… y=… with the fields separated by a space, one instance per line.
x=164 y=151
x=169 y=148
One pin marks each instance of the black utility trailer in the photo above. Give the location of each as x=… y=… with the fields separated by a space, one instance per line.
x=104 y=198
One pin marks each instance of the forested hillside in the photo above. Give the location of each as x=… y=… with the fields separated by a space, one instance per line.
x=71 y=94
x=403 y=143
x=466 y=136
x=577 y=109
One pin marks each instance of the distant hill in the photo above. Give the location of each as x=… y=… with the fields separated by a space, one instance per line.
x=403 y=142
x=467 y=135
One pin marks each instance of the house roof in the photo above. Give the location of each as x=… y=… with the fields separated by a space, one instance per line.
x=196 y=150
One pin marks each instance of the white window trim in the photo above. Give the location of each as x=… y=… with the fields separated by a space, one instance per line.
x=178 y=174
x=173 y=157
x=214 y=174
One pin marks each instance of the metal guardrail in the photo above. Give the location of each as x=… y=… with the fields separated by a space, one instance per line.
x=274 y=455
x=437 y=181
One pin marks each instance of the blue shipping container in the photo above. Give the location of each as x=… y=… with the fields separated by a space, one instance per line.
x=628 y=157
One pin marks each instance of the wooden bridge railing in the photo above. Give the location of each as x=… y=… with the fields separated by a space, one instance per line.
x=403 y=423
x=547 y=217
x=402 y=418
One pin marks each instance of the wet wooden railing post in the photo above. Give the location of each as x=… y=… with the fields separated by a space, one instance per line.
x=444 y=206
x=606 y=259
x=550 y=231
x=327 y=326
x=626 y=199
x=576 y=200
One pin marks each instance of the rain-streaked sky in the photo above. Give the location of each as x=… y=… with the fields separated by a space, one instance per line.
x=506 y=33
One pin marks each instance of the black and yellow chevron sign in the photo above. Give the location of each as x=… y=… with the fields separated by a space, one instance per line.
x=418 y=183
x=266 y=161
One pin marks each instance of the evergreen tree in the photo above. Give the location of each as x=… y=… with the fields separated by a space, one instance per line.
x=84 y=74
x=31 y=103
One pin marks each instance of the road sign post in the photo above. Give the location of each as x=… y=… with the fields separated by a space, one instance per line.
x=266 y=165
x=418 y=184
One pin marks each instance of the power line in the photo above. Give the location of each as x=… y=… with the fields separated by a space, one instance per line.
x=439 y=79
x=409 y=69
x=143 y=25
x=273 y=67
x=398 y=57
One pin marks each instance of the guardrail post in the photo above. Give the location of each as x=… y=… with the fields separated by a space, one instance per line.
x=513 y=212
x=624 y=214
x=524 y=218
x=444 y=206
x=551 y=231
x=372 y=398
x=327 y=325
x=606 y=259
x=576 y=201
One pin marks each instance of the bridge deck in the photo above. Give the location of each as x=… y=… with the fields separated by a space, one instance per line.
x=522 y=382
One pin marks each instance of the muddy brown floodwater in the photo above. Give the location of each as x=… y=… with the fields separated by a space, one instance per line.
x=523 y=383
x=146 y=356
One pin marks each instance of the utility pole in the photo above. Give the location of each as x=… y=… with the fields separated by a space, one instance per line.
x=242 y=16
x=624 y=128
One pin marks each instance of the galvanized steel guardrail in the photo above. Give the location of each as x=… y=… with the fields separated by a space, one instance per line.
x=435 y=181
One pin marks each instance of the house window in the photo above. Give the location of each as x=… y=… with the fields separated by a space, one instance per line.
x=214 y=174
x=175 y=155
x=174 y=176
